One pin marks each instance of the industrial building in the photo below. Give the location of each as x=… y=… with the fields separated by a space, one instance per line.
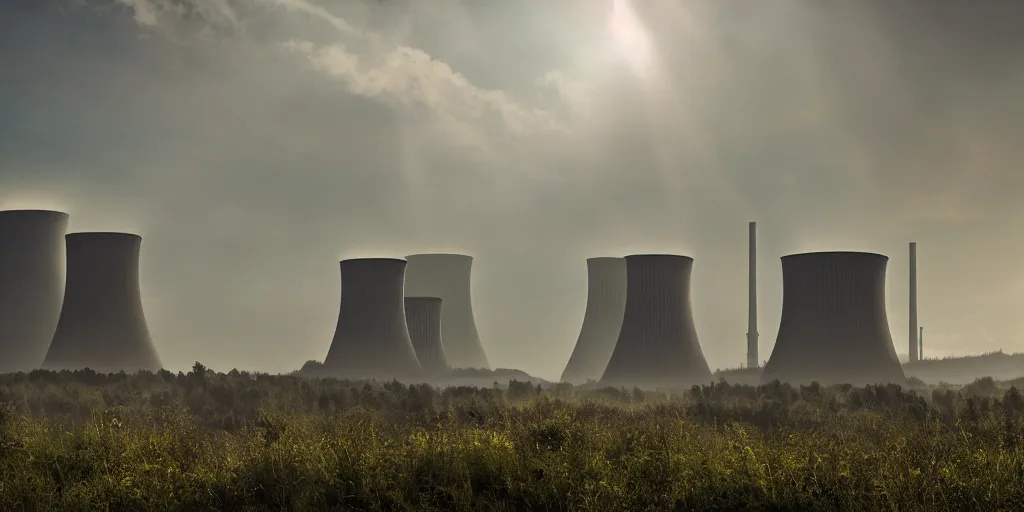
x=447 y=276
x=371 y=340
x=423 y=316
x=31 y=285
x=834 y=328
x=102 y=325
x=606 y=302
x=657 y=345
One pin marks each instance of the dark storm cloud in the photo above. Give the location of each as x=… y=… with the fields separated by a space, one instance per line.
x=255 y=143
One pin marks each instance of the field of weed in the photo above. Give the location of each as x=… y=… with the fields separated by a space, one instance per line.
x=238 y=441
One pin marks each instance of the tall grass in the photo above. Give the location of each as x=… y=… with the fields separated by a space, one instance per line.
x=206 y=441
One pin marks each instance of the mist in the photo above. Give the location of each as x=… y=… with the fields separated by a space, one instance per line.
x=254 y=143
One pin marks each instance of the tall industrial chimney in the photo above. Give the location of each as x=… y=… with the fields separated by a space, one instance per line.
x=606 y=302
x=448 y=276
x=912 y=338
x=102 y=325
x=920 y=343
x=423 y=316
x=752 y=359
x=371 y=340
x=657 y=345
x=834 y=328
x=31 y=285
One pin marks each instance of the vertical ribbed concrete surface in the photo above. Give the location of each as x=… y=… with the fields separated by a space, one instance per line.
x=102 y=325
x=31 y=285
x=657 y=344
x=606 y=303
x=423 y=316
x=371 y=340
x=448 y=276
x=834 y=328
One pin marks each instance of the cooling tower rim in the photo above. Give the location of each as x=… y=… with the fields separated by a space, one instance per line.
x=822 y=254
x=423 y=299
x=446 y=255
x=608 y=259
x=372 y=260
x=31 y=212
x=671 y=257
x=78 y=235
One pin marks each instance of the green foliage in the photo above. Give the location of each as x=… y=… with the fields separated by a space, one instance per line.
x=241 y=441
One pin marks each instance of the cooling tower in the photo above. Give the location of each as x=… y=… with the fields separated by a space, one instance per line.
x=834 y=328
x=102 y=325
x=371 y=340
x=448 y=276
x=657 y=344
x=606 y=302
x=423 y=316
x=31 y=285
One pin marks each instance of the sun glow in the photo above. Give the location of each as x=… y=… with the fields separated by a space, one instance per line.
x=629 y=36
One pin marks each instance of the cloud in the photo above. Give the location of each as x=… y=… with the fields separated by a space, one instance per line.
x=255 y=142
x=409 y=79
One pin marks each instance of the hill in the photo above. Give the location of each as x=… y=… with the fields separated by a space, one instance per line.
x=964 y=370
x=960 y=371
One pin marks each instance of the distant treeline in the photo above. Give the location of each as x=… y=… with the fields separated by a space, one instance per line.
x=231 y=400
x=950 y=370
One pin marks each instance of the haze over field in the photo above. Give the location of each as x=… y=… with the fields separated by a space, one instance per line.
x=253 y=143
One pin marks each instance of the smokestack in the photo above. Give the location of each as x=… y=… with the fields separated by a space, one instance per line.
x=657 y=345
x=912 y=338
x=834 y=328
x=371 y=340
x=752 y=360
x=448 y=276
x=31 y=285
x=423 y=316
x=606 y=302
x=920 y=344
x=102 y=325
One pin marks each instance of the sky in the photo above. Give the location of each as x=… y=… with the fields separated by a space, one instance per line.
x=254 y=143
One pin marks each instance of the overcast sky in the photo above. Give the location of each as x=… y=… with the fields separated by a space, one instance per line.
x=254 y=143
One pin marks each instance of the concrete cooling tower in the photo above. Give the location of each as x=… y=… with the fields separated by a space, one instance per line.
x=31 y=285
x=372 y=340
x=448 y=276
x=102 y=325
x=423 y=316
x=606 y=302
x=834 y=328
x=657 y=345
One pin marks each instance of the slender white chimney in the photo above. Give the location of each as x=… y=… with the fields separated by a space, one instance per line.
x=920 y=343
x=913 y=334
x=752 y=360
